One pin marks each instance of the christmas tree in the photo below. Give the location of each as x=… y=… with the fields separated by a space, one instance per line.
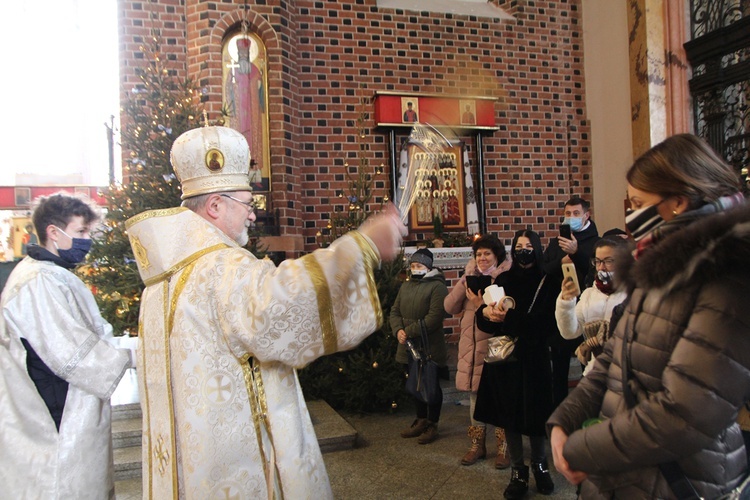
x=157 y=110
x=367 y=378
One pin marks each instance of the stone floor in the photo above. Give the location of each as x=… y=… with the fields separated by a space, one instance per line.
x=382 y=465
x=377 y=463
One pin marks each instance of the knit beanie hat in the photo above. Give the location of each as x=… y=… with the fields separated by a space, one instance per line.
x=423 y=256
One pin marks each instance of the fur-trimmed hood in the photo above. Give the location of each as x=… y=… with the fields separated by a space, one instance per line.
x=709 y=248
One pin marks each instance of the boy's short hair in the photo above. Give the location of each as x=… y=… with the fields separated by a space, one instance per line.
x=58 y=209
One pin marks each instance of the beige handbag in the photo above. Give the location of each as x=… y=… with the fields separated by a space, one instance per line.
x=500 y=349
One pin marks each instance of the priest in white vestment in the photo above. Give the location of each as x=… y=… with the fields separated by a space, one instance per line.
x=222 y=333
x=57 y=369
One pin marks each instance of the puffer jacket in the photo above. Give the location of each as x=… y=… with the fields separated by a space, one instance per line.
x=688 y=330
x=421 y=299
x=472 y=343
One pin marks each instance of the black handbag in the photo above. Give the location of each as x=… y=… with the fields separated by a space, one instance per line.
x=422 y=381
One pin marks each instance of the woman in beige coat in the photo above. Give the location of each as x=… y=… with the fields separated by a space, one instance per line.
x=489 y=260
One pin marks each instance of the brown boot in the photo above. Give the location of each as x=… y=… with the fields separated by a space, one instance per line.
x=430 y=434
x=478 y=449
x=416 y=429
x=502 y=461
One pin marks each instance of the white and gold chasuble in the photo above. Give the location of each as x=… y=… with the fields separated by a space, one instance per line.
x=221 y=335
x=56 y=313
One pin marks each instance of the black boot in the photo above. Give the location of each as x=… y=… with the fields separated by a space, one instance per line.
x=542 y=478
x=519 y=483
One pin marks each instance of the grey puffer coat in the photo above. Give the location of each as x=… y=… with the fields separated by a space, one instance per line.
x=688 y=330
x=421 y=299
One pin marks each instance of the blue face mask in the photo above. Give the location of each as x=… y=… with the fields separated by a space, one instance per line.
x=75 y=253
x=576 y=223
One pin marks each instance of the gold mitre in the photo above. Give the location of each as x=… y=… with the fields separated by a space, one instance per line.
x=211 y=160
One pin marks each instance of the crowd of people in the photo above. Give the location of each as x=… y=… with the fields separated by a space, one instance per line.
x=657 y=316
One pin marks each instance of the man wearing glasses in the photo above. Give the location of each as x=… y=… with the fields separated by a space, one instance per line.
x=222 y=333
x=590 y=317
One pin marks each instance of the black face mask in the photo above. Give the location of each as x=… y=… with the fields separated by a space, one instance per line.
x=77 y=252
x=524 y=256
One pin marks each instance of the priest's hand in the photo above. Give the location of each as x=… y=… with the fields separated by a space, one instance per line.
x=386 y=231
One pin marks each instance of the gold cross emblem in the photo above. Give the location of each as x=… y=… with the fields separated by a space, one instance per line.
x=161 y=454
x=218 y=388
x=140 y=252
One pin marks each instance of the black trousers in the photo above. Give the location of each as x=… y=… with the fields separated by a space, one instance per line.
x=560 y=355
x=430 y=412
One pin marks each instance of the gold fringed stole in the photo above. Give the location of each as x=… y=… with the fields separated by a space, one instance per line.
x=323 y=291
x=325 y=303
x=371 y=261
x=162 y=448
x=256 y=395
x=166 y=275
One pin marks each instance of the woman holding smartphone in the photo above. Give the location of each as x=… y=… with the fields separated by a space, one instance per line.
x=488 y=262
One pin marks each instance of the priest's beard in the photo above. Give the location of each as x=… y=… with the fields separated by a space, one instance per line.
x=242 y=237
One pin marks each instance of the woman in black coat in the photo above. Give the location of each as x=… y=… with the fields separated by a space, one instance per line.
x=517 y=395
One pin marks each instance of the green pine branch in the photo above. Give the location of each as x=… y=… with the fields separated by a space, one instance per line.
x=367 y=378
x=157 y=111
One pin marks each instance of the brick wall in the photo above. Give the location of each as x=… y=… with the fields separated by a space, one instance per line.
x=325 y=54
x=137 y=21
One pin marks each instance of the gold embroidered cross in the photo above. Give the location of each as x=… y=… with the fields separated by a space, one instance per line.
x=161 y=454
x=216 y=388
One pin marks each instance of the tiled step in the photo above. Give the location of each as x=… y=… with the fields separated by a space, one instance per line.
x=128 y=489
x=126 y=432
x=126 y=411
x=333 y=433
x=127 y=462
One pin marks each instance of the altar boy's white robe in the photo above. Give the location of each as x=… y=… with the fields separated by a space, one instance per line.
x=56 y=313
x=221 y=335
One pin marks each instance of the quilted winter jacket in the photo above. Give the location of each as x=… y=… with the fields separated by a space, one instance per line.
x=688 y=325
x=421 y=299
x=472 y=344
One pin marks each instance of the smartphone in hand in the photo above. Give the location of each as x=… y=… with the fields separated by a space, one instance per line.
x=565 y=231
x=569 y=271
x=477 y=284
